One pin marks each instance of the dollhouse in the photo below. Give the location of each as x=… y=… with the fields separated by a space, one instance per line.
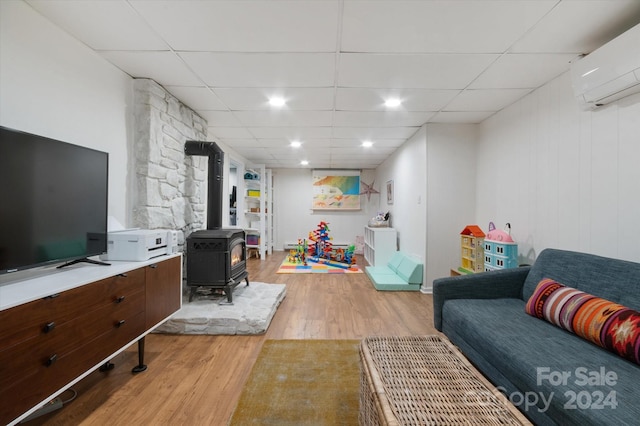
x=500 y=251
x=472 y=249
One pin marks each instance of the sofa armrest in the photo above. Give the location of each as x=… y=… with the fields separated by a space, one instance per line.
x=506 y=283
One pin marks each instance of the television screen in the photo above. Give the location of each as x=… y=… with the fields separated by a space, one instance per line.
x=53 y=201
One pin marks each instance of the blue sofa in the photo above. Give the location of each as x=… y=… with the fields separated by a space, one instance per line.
x=552 y=375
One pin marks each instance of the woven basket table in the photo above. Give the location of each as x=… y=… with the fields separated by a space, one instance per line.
x=425 y=380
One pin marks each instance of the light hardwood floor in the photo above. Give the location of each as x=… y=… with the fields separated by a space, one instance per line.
x=197 y=380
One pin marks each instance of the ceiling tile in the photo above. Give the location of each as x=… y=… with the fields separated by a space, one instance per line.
x=461 y=117
x=335 y=61
x=197 y=97
x=101 y=24
x=374 y=133
x=285 y=143
x=523 y=70
x=356 y=99
x=485 y=99
x=387 y=143
x=257 y=155
x=592 y=23
x=348 y=152
x=438 y=26
x=345 y=143
x=292 y=132
x=263 y=69
x=243 y=143
x=284 y=118
x=163 y=67
x=230 y=132
x=380 y=118
x=248 y=26
x=295 y=98
x=411 y=71
x=220 y=118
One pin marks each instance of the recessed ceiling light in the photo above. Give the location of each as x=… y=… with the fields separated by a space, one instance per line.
x=276 y=101
x=392 y=102
x=296 y=144
x=304 y=163
x=367 y=144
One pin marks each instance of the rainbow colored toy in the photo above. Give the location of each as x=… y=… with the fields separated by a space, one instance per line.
x=319 y=249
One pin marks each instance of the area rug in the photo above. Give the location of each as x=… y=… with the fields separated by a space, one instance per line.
x=254 y=306
x=316 y=268
x=302 y=382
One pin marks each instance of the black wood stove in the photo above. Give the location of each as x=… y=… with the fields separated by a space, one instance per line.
x=216 y=257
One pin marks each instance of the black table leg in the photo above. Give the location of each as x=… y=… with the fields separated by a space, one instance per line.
x=140 y=367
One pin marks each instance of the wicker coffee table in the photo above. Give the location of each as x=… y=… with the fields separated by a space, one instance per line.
x=425 y=380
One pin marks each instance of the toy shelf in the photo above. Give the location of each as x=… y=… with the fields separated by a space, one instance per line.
x=379 y=245
x=258 y=219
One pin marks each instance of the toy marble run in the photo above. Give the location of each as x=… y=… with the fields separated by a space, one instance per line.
x=319 y=249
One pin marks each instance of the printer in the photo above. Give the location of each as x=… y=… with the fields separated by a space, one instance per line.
x=139 y=244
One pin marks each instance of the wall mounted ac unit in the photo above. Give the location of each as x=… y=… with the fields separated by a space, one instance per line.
x=610 y=72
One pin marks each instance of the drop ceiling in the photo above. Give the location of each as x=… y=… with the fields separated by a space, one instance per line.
x=335 y=62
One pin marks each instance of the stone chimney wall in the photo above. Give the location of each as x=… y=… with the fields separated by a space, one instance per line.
x=170 y=188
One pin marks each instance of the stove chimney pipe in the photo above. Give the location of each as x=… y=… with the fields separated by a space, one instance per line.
x=214 y=180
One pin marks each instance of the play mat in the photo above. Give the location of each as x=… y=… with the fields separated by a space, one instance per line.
x=316 y=268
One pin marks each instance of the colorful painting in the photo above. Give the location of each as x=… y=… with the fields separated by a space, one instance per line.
x=336 y=192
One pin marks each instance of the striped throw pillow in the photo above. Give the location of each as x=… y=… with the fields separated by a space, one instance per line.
x=607 y=324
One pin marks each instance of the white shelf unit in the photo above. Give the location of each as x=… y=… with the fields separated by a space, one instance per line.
x=379 y=245
x=259 y=209
x=270 y=225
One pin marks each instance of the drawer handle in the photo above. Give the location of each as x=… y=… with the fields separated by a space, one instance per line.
x=153 y=266
x=52 y=296
x=122 y=275
x=49 y=327
x=51 y=360
x=120 y=299
x=120 y=323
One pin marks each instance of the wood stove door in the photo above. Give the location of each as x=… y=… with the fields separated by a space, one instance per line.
x=238 y=256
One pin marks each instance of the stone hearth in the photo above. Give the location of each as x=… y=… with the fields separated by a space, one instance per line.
x=253 y=308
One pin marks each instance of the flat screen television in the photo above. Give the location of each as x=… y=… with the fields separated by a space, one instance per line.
x=53 y=201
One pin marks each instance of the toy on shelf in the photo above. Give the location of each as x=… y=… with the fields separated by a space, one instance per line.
x=472 y=249
x=380 y=220
x=251 y=175
x=500 y=251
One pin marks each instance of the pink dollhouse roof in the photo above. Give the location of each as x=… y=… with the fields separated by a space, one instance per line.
x=499 y=235
x=473 y=230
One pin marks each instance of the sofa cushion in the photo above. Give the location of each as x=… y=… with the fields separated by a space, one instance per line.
x=607 y=324
x=395 y=261
x=545 y=363
x=380 y=270
x=612 y=279
x=410 y=270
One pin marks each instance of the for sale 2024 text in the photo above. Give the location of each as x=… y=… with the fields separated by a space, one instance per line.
x=592 y=397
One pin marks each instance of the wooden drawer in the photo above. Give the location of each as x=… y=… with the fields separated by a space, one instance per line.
x=26 y=321
x=46 y=380
x=65 y=338
x=164 y=297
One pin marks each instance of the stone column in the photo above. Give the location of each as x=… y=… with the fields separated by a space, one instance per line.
x=170 y=190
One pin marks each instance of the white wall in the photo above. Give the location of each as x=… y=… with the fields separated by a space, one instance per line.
x=53 y=86
x=562 y=177
x=434 y=182
x=293 y=215
x=406 y=168
x=451 y=198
